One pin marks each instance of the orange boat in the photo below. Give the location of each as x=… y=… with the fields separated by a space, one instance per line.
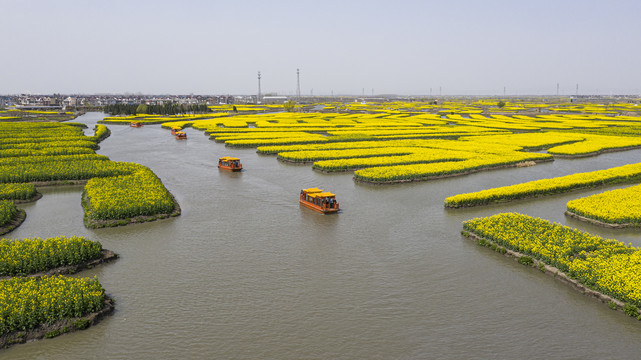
x=135 y=124
x=318 y=200
x=174 y=130
x=230 y=163
x=180 y=135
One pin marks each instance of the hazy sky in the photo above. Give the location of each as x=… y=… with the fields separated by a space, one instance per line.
x=388 y=47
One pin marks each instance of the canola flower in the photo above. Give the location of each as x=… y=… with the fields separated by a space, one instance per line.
x=605 y=265
x=8 y=161
x=594 y=144
x=8 y=212
x=49 y=144
x=11 y=153
x=27 y=256
x=26 y=302
x=61 y=170
x=448 y=168
x=34 y=152
x=100 y=132
x=330 y=139
x=366 y=142
x=312 y=155
x=556 y=185
x=621 y=206
x=138 y=193
x=9 y=191
x=416 y=156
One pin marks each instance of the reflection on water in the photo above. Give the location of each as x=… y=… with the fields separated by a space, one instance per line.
x=246 y=272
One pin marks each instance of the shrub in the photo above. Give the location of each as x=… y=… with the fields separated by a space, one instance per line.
x=631 y=310
x=52 y=333
x=81 y=324
x=526 y=260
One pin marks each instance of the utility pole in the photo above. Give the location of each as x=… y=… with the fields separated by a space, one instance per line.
x=557 y=89
x=577 y=89
x=258 y=98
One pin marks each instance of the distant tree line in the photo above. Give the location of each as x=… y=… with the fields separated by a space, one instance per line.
x=164 y=109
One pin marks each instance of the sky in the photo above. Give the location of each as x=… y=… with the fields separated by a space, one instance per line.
x=403 y=47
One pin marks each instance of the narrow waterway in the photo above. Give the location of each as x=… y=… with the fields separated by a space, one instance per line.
x=247 y=273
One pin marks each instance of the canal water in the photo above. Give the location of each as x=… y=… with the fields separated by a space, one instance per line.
x=247 y=273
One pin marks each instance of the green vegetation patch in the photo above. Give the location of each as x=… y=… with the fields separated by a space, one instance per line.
x=626 y=173
x=604 y=265
x=28 y=256
x=26 y=302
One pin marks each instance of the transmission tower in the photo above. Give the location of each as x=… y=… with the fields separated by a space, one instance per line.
x=298 y=84
x=258 y=98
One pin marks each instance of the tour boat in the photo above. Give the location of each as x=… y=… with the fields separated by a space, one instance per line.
x=318 y=200
x=135 y=124
x=174 y=130
x=180 y=135
x=230 y=163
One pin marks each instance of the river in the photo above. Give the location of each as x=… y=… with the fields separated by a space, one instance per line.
x=247 y=273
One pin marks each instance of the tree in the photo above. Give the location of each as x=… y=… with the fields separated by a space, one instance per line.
x=289 y=106
x=141 y=109
x=501 y=104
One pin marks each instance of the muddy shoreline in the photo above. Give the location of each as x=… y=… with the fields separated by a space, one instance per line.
x=17 y=221
x=59 y=183
x=59 y=327
x=105 y=257
x=600 y=223
x=36 y=197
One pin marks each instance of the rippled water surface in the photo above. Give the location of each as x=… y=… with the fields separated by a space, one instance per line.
x=246 y=273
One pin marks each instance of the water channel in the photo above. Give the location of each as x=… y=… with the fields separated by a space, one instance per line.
x=247 y=273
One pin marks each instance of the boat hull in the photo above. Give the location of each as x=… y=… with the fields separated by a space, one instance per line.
x=229 y=168
x=317 y=208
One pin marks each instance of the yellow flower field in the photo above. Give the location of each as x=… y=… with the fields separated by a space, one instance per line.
x=319 y=136
x=622 y=206
x=27 y=256
x=44 y=151
x=26 y=302
x=606 y=265
x=626 y=173
x=8 y=211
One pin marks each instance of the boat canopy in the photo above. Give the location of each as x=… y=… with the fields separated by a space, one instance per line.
x=321 y=194
x=325 y=194
x=311 y=191
x=228 y=158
